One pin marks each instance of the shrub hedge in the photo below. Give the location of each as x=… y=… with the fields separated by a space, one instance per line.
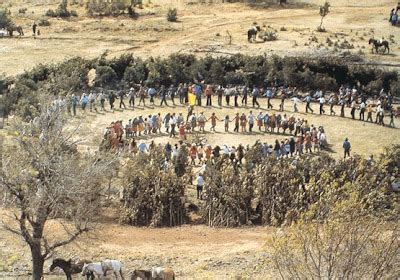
x=303 y=72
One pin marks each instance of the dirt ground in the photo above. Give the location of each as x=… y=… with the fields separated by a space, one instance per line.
x=201 y=29
x=195 y=252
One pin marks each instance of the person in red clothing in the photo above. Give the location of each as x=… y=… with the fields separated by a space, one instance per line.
x=214 y=120
x=193 y=154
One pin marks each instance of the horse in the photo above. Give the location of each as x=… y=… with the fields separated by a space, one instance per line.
x=113 y=265
x=162 y=273
x=378 y=44
x=252 y=33
x=12 y=28
x=70 y=268
x=94 y=268
x=142 y=274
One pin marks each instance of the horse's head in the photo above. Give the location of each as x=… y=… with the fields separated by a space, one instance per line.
x=371 y=41
x=56 y=263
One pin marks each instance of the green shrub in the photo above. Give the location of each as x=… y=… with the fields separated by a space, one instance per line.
x=172 y=15
x=22 y=10
x=5 y=19
x=44 y=22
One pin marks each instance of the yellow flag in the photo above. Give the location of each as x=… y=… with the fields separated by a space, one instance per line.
x=192 y=99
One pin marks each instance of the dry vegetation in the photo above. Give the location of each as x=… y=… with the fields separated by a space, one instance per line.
x=200 y=252
x=196 y=32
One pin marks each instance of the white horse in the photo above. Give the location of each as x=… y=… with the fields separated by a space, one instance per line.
x=162 y=273
x=100 y=269
x=96 y=268
x=114 y=266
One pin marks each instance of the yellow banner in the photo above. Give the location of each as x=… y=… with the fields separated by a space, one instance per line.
x=192 y=99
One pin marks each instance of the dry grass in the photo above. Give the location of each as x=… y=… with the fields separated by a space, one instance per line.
x=152 y=35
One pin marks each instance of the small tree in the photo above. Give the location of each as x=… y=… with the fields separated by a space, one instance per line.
x=172 y=15
x=46 y=178
x=323 y=12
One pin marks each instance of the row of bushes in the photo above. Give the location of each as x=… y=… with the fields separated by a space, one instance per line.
x=124 y=71
x=61 y=11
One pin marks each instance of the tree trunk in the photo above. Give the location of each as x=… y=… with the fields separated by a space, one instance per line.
x=37 y=261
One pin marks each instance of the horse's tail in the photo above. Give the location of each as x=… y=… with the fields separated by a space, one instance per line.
x=249 y=35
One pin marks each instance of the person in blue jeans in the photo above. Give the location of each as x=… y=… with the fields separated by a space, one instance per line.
x=346 y=147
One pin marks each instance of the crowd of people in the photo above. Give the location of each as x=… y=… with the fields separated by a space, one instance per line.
x=302 y=137
x=361 y=107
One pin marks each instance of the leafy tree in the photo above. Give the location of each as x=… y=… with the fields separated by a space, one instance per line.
x=347 y=245
x=323 y=12
x=5 y=19
x=47 y=179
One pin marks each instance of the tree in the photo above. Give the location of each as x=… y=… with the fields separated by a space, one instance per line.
x=349 y=245
x=46 y=178
x=5 y=20
x=323 y=12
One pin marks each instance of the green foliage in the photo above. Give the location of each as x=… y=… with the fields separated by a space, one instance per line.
x=323 y=12
x=44 y=22
x=172 y=15
x=5 y=19
x=302 y=72
x=61 y=11
x=109 y=8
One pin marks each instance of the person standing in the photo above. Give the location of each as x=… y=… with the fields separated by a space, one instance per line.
x=131 y=96
x=353 y=109
x=269 y=96
x=152 y=92
x=321 y=105
x=172 y=122
x=282 y=105
x=332 y=103
x=308 y=103
x=163 y=95
x=236 y=95
x=34 y=27
x=346 y=147
x=227 y=95
x=214 y=120
x=209 y=94
x=251 y=121
x=296 y=101
x=245 y=93
x=237 y=122
x=362 y=110
x=342 y=103
x=220 y=93
x=255 y=94
x=121 y=96
x=200 y=185
x=102 y=101
x=74 y=103
x=172 y=92
x=142 y=95
x=391 y=123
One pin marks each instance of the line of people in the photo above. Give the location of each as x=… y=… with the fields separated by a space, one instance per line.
x=345 y=97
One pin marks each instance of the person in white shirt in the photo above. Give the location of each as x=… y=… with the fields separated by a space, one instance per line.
x=172 y=122
x=200 y=185
x=321 y=105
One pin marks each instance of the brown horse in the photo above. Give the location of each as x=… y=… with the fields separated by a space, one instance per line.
x=142 y=274
x=377 y=44
x=12 y=28
x=70 y=268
